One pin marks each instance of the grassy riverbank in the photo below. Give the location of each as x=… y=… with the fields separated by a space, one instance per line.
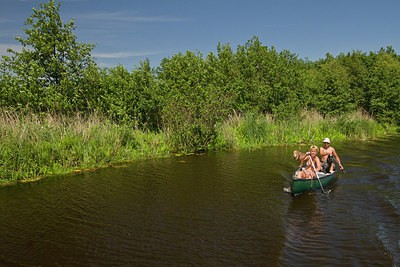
x=32 y=146
x=310 y=128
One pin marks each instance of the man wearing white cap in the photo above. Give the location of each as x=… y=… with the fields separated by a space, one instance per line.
x=326 y=152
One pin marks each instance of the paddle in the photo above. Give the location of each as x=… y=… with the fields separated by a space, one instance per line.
x=312 y=163
x=337 y=164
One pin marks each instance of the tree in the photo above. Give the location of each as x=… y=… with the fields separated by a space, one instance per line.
x=357 y=70
x=384 y=91
x=195 y=101
x=51 y=63
x=327 y=85
x=269 y=80
x=129 y=97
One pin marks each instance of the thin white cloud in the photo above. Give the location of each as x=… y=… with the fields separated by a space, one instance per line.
x=120 y=55
x=119 y=16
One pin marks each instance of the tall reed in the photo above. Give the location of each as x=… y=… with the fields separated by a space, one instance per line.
x=310 y=127
x=33 y=146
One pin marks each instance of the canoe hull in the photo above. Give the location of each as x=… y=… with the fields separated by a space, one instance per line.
x=304 y=185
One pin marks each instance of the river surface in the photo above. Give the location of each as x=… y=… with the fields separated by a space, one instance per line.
x=213 y=209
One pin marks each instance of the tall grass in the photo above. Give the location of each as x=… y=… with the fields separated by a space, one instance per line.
x=33 y=146
x=310 y=127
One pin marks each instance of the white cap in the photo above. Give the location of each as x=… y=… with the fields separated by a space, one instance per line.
x=327 y=140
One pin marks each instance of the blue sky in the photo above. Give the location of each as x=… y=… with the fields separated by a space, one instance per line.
x=127 y=31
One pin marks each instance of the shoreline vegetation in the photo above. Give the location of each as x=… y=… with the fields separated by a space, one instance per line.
x=35 y=146
x=60 y=112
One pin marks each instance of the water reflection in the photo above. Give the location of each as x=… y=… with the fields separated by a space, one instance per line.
x=221 y=208
x=303 y=228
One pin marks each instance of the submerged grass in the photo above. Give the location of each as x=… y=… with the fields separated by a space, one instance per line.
x=33 y=146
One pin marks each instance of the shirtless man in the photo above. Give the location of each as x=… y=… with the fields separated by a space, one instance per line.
x=325 y=152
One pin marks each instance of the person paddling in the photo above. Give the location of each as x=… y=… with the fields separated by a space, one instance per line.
x=327 y=152
x=311 y=161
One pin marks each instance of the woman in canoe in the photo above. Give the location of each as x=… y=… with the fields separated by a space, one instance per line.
x=313 y=164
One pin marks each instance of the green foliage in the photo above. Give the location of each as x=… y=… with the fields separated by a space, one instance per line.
x=46 y=74
x=253 y=131
x=356 y=65
x=188 y=103
x=266 y=81
x=194 y=101
x=328 y=88
x=34 y=146
x=384 y=90
x=129 y=97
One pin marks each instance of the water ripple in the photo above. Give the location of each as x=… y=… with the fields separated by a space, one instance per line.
x=220 y=208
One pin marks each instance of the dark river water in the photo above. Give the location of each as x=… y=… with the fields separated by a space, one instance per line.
x=220 y=208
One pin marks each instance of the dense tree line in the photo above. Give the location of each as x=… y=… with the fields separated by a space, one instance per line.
x=189 y=94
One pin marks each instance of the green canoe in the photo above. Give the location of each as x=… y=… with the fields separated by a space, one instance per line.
x=303 y=185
